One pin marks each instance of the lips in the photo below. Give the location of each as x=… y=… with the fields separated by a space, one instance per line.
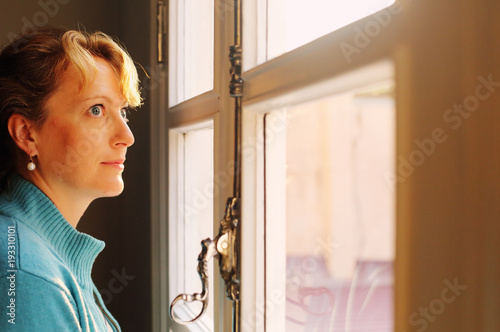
x=118 y=163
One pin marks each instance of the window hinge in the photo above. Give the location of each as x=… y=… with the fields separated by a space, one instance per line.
x=161 y=30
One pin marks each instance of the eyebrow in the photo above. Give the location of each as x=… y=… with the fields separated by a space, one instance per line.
x=104 y=97
x=97 y=97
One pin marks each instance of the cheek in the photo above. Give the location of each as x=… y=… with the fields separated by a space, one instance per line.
x=58 y=139
x=60 y=134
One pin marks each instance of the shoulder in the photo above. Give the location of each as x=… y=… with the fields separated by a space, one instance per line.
x=34 y=303
x=31 y=274
x=30 y=253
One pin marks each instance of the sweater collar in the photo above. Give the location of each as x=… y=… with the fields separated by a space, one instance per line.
x=29 y=205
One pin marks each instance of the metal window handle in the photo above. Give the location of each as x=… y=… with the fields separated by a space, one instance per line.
x=208 y=251
x=225 y=247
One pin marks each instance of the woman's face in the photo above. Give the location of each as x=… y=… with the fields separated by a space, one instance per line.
x=81 y=146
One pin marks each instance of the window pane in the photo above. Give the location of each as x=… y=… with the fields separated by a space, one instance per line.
x=195 y=221
x=292 y=23
x=191 y=48
x=340 y=212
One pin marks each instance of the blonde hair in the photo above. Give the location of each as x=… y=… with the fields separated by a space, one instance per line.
x=81 y=49
x=31 y=68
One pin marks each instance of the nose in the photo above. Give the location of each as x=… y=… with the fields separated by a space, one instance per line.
x=123 y=135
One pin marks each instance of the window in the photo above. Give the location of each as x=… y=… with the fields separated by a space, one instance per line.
x=416 y=67
x=339 y=212
x=279 y=26
x=198 y=179
x=192 y=207
x=191 y=27
x=311 y=123
x=328 y=223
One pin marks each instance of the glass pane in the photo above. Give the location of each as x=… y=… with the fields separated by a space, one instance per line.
x=197 y=220
x=292 y=23
x=191 y=48
x=340 y=212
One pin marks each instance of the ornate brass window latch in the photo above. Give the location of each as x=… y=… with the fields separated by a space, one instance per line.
x=225 y=247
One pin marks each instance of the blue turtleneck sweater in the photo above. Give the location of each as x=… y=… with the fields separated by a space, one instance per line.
x=45 y=266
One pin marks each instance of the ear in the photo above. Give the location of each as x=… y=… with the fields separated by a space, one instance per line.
x=21 y=130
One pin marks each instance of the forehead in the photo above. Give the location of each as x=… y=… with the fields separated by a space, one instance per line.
x=100 y=80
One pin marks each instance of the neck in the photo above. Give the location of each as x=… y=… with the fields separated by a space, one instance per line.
x=71 y=204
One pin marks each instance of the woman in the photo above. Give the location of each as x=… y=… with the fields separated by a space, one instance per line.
x=64 y=97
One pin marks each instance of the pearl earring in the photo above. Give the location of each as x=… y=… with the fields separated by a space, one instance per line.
x=31 y=165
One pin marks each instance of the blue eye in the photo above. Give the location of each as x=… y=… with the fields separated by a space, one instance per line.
x=96 y=110
x=123 y=113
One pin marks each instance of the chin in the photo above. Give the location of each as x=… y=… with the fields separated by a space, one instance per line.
x=114 y=193
x=113 y=189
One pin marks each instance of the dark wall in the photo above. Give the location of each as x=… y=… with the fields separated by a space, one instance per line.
x=88 y=14
x=123 y=270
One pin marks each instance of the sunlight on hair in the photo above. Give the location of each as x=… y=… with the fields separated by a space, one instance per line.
x=82 y=48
